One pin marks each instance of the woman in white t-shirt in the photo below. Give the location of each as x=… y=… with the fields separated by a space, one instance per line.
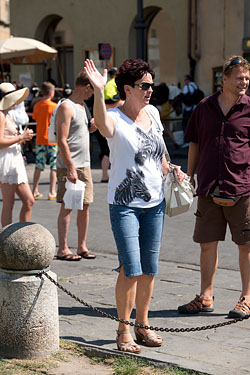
x=135 y=191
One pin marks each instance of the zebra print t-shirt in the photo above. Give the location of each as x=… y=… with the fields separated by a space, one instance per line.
x=136 y=178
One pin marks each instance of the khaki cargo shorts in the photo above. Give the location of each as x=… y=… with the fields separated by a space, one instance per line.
x=212 y=219
x=84 y=174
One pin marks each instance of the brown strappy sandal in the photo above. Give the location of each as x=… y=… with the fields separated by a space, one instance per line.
x=149 y=338
x=129 y=346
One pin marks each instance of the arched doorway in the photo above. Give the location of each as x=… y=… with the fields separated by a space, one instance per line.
x=160 y=43
x=162 y=48
x=148 y=14
x=55 y=31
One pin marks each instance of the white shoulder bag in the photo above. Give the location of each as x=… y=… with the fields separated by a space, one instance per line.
x=179 y=195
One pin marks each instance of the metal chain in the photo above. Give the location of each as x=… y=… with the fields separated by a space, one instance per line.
x=106 y=315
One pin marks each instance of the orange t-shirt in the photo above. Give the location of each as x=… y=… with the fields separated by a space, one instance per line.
x=41 y=114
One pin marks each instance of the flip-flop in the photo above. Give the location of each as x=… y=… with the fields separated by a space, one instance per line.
x=52 y=198
x=69 y=257
x=38 y=196
x=87 y=255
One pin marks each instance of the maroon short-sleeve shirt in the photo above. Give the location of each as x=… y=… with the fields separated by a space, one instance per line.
x=224 y=146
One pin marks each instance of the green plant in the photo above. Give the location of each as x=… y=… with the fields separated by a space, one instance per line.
x=72 y=347
x=122 y=365
x=126 y=365
x=25 y=367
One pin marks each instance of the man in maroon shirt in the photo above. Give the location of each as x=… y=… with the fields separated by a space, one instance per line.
x=219 y=136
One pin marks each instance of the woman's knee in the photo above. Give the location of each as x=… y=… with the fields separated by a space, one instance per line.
x=29 y=202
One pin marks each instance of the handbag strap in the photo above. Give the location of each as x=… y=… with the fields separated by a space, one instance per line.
x=175 y=187
x=160 y=129
x=171 y=165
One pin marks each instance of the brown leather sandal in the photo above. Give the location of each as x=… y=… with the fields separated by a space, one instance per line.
x=149 y=338
x=129 y=346
x=87 y=255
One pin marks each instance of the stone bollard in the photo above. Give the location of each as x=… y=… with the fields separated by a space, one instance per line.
x=29 y=323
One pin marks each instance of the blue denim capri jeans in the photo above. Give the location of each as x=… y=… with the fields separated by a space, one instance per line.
x=137 y=233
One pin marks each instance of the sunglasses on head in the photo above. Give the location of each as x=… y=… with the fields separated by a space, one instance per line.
x=233 y=63
x=144 y=85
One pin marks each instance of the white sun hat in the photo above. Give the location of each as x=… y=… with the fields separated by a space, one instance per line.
x=9 y=96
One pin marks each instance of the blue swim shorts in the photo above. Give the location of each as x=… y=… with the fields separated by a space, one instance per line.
x=44 y=152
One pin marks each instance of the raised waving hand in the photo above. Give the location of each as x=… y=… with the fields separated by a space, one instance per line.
x=97 y=80
x=104 y=123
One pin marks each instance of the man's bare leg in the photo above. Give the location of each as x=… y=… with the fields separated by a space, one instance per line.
x=63 y=227
x=36 y=178
x=244 y=263
x=82 y=226
x=52 y=188
x=208 y=267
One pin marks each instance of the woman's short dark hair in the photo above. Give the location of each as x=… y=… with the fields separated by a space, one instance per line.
x=129 y=72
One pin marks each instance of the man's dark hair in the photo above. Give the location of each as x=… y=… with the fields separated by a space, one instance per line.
x=188 y=77
x=82 y=79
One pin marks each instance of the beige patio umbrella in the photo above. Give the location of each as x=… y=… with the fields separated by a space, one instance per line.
x=15 y=50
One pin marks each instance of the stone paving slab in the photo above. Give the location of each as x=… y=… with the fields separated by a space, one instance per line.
x=217 y=351
x=223 y=351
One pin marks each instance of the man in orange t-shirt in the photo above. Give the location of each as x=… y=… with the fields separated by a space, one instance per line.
x=44 y=150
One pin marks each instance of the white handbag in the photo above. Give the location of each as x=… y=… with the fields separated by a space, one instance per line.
x=179 y=195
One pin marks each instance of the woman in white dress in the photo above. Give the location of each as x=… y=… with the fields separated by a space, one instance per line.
x=13 y=176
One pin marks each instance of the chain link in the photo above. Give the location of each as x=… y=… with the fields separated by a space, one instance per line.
x=106 y=315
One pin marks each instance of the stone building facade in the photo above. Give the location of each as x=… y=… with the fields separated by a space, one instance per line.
x=182 y=36
x=4 y=34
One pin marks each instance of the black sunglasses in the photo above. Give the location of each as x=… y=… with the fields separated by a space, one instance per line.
x=233 y=63
x=144 y=85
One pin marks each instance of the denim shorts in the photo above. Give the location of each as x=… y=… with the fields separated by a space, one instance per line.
x=137 y=233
